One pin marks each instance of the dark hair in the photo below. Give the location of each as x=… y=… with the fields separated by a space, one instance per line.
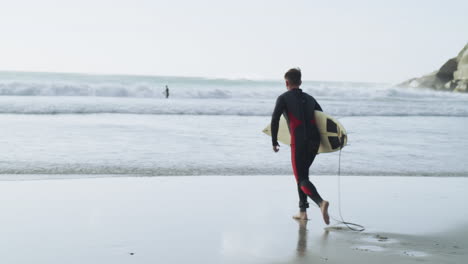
x=293 y=76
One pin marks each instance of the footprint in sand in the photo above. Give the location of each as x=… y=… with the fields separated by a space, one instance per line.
x=415 y=253
x=381 y=238
x=378 y=239
x=369 y=248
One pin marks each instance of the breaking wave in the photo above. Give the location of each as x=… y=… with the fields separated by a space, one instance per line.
x=53 y=93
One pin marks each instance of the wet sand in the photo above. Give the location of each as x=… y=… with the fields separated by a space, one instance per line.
x=232 y=219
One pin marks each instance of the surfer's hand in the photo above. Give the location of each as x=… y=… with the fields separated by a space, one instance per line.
x=276 y=148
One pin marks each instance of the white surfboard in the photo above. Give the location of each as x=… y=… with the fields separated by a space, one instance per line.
x=333 y=135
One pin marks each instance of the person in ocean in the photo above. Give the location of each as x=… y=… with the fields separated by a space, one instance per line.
x=166 y=92
x=298 y=109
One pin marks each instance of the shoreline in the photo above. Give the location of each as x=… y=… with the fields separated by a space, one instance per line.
x=45 y=177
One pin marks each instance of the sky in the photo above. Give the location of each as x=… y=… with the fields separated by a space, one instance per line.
x=373 y=41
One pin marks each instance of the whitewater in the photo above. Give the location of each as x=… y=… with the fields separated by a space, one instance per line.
x=112 y=125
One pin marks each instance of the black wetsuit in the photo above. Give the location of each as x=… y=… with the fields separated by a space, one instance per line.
x=298 y=108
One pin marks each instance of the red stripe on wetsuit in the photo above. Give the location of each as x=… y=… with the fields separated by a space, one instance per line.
x=293 y=124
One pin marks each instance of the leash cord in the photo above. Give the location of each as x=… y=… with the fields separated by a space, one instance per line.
x=351 y=226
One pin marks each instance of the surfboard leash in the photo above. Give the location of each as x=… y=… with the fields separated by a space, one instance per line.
x=349 y=225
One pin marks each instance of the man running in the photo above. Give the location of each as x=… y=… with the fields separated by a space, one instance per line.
x=298 y=109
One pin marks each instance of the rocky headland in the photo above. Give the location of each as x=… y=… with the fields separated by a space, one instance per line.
x=451 y=76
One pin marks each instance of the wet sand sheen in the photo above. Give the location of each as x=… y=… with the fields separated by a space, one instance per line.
x=245 y=219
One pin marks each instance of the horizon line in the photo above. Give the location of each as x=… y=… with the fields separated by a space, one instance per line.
x=177 y=76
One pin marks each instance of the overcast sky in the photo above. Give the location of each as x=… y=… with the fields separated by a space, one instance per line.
x=383 y=41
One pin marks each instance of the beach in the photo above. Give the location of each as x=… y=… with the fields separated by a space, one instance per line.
x=144 y=132
x=238 y=219
x=104 y=169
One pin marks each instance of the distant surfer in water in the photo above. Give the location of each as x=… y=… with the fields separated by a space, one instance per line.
x=298 y=109
x=166 y=92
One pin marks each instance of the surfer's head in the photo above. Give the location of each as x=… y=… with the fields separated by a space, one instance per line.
x=293 y=78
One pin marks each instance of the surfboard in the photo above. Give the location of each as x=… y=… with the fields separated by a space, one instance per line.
x=333 y=135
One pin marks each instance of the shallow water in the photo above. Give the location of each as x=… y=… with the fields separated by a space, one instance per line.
x=221 y=145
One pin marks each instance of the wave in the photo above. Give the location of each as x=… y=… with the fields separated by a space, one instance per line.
x=242 y=107
x=89 y=171
x=48 y=93
x=81 y=85
x=77 y=105
x=195 y=90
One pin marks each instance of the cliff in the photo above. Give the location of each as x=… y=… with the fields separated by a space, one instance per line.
x=451 y=76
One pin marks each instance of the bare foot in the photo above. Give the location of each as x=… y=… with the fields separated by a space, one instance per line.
x=324 y=208
x=301 y=216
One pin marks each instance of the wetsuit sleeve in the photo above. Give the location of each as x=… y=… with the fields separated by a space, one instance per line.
x=279 y=108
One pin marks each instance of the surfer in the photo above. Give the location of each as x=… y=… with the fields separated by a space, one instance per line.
x=166 y=92
x=298 y=108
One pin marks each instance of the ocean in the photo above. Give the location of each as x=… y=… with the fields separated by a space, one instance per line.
x=78 y=125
